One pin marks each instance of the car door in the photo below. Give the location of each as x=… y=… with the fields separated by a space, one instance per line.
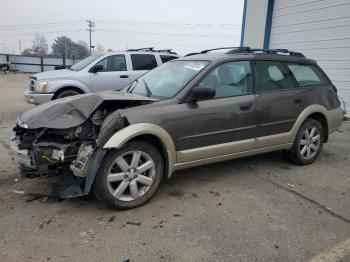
x=141 y=63
x=222 y=125
x=279 y=101
x=114 y=76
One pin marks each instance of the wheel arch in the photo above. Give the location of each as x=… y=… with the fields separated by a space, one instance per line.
x=317 y=112
x=147 y=132
x=64 y=88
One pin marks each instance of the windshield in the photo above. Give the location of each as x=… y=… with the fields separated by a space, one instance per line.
x=83 y=63
x=168 y=79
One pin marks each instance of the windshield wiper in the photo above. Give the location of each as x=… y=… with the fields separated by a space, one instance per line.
x=149 y=93
x=132 y=86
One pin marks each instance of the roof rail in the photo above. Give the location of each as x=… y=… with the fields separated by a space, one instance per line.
x=264 y=51
x=141 y=49
x=151 y=49
x=208 y=50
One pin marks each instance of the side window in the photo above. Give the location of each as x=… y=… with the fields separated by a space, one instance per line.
x=166 y=58
x=271 y=76
x=113 y=63
x=143 y=61
x=230 y=79
x=307 y=75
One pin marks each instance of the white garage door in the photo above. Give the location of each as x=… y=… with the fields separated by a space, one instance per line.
x=321 y=30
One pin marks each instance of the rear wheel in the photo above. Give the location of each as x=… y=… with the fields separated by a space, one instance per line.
x=130 y=176
x=308 y=143
x=66 y=93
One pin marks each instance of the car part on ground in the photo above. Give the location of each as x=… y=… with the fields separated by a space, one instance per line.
x=198 y=110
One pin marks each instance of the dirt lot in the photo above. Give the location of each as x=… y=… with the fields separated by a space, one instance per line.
x=259 y=208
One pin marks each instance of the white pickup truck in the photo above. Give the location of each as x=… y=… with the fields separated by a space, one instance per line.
x=99 y=72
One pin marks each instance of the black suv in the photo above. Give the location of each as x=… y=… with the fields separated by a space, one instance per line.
x=200 y=109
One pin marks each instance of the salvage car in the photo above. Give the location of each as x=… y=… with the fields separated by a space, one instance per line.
x=113 y=70
x=200 y=109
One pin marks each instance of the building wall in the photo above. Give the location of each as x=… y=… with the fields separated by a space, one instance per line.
x=254 y=23
x=319 y=29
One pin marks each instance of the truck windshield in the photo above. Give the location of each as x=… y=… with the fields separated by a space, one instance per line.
x=168 y=79
x=83 y=63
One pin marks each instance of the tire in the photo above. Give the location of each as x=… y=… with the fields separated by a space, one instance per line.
x=307 y=148
x=119 y=191
x=65 y=93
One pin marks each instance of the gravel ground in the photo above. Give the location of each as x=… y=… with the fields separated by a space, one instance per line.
x=259 y=208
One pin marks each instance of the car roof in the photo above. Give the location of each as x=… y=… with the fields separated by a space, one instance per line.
x=217 y=57
x=139 y=52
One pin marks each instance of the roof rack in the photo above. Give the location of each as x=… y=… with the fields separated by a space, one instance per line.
x=141 y=49
x=246 y=49
x=151 y=49
x=208 y=50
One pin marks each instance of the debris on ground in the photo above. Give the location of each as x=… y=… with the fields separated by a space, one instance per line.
x=133 y=223
x=290 y=185
x=195 y=195
x=111 y=219
x=90 y=235
x=20 y=192
x=177 y=215
x=35 y=196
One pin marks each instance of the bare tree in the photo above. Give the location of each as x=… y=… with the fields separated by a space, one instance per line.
x=39 y=46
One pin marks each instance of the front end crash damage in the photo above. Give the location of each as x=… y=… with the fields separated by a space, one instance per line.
x=65 y=138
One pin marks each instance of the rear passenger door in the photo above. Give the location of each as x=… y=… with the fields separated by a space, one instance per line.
x=142 y=63
x=279 y=101
x=114 y=75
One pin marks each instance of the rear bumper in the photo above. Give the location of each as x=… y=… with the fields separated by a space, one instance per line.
x=20 y=156
x=335 y=118
x=37 y=98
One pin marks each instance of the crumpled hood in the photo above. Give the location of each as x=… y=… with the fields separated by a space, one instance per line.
x=62 y=73
x=72 y=111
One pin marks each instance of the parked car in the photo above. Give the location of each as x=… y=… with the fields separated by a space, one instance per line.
x=99 y=72
x=192 y=111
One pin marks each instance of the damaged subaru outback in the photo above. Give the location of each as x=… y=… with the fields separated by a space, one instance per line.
x=204 y=108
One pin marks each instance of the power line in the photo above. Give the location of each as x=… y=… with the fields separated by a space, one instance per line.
x=42 y=24
x=166 y=34
x=43 y=33
x=166 y=24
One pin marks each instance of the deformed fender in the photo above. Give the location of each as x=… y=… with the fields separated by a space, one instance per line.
x=96 y=160
x=121 y=137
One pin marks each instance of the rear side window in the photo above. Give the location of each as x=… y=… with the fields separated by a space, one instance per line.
x=143 y=61
x=113 y=63
x=166 y=58
x=307 y=75
x=271 y=76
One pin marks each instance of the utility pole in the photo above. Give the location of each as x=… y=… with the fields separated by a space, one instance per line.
x=91 y=25
x=20 y=46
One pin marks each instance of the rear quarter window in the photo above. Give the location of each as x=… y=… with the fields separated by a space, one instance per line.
x=307 y=75
x=143 y=62
x=166 y=58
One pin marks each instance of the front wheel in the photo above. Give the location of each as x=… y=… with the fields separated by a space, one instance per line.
x=67 y=93
x=308 y=143
x=130 y=176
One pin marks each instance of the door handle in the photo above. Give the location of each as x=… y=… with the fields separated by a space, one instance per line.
x=245 y=106
x=298 y=99
x=124 y=76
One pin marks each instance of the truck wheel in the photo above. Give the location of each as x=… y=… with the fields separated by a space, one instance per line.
x=66 y=93
x=130 y=176
x=308 y=143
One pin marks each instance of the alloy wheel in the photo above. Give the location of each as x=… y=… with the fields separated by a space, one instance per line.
x=309 y=143
x=131 y=175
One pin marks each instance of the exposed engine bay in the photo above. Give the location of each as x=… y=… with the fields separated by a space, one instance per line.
x=42 y=148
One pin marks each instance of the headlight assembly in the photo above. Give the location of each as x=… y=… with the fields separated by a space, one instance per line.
x=41 y=86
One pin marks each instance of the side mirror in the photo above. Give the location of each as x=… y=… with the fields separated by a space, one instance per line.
x=203 y=93
x=96 y=68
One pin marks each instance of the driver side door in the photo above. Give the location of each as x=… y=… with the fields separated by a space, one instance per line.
x=222 y=125
x=114 y=76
